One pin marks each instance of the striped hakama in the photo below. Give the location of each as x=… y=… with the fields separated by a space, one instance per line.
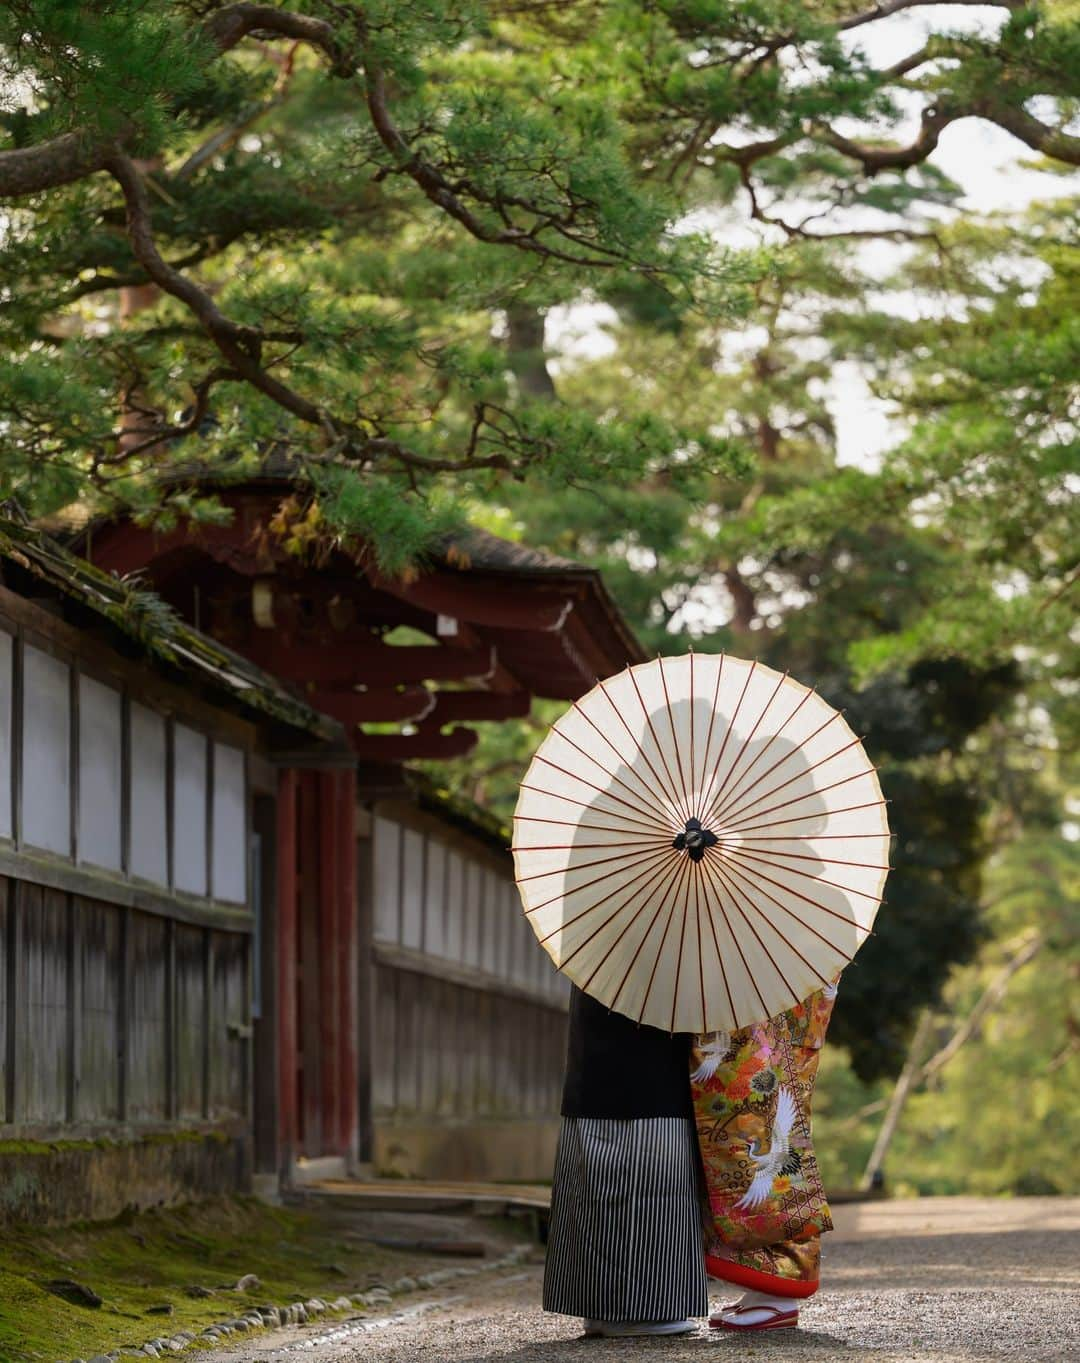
x=625 y=1238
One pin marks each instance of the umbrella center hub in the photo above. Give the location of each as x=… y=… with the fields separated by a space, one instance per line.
x=694 y=839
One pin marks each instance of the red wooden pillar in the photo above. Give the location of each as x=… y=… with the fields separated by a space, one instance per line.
x=329 y=957
x=347 y=961
x=286 y=964
x=311 y=952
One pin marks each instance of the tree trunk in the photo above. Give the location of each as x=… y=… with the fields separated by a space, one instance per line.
x=743 y=601
x=909 y=1075
x=525 y=344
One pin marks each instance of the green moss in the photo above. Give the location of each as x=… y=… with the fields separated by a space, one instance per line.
x=144 y=1259
x=48 y=1147
x=177 y=1137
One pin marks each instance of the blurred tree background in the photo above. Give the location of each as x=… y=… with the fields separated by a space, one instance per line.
x=360 y=236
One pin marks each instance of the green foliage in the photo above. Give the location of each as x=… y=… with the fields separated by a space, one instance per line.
x=102 y=67
x=350 y=507
x=351 y=220
x=995 y=1118
x=361 y=193
x=882 y=589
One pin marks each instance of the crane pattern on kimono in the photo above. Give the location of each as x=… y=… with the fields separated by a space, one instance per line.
x=714 y=1051
x=779 y=1159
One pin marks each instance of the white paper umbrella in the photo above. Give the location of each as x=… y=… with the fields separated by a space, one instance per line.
x=700 y=843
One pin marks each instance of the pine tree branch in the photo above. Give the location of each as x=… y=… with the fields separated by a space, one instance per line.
x=1052 y=142
x=799 y=229
x=231 y=25
x=437 y=188
x=70 y=157
x=989 y=1000
x=890 y=7
x=239 y=345
x=935 y=119
x=61 y=161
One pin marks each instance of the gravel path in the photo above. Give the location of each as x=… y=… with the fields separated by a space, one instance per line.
x=940 y=1279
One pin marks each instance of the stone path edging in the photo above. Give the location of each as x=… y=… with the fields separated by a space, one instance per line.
x=270 y=1317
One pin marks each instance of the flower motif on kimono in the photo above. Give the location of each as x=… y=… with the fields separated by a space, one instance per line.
x=752 y=1104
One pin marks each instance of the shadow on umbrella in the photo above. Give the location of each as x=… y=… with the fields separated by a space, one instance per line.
x=689 y=883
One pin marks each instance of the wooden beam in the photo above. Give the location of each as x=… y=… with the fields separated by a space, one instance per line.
x=373 y=664
x=430 y=745
x=416 y=704
x=501 y=603
x=471 y=706
x=124 y=548
x=377 y=705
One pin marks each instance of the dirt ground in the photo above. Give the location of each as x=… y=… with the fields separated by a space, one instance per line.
x=937 y=1279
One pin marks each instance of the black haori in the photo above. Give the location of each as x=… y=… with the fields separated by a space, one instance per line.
x=625 y=1239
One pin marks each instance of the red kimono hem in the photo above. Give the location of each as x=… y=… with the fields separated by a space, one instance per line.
x=754 y=1278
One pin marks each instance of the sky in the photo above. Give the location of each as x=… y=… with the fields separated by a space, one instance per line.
x=986 y=161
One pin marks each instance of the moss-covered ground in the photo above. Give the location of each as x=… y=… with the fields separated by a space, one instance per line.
x=152 y=1258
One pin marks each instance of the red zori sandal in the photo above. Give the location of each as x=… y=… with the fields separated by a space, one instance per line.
x=775 y=1318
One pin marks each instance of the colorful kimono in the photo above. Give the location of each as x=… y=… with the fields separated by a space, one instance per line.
x=763 y=1203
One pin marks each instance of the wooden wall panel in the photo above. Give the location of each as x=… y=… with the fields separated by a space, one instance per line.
x=99 y=1032
x=6 y=963
x=485 y=1053
x=101 y=777
x=190 y=794
x=473 y=907
x=520 y=933
x=387 y=881
x=435 y=899
x=447 y=1010
x=147 y=780
x=46 y=760
x=507 y=1080
x=470 y=1059
x=455 y=906
x=556 y=1065
x=228 y=1049
x=43 y=1042
x=190 y=992
x=412 y=889
x=447 y=1051
x=491 y=925
x=229 y=850
x=535 y=1081
x=407 y=1050
x=7 y=696
x=444 y=1049
x=430 y=1056
x=147 y=1037
x=539 y=965
x=384 y=1070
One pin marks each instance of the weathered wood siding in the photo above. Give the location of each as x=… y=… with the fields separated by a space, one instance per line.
x=125 y=926
x=90 y=1035
x=103 y=1022
x=468 y=1021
